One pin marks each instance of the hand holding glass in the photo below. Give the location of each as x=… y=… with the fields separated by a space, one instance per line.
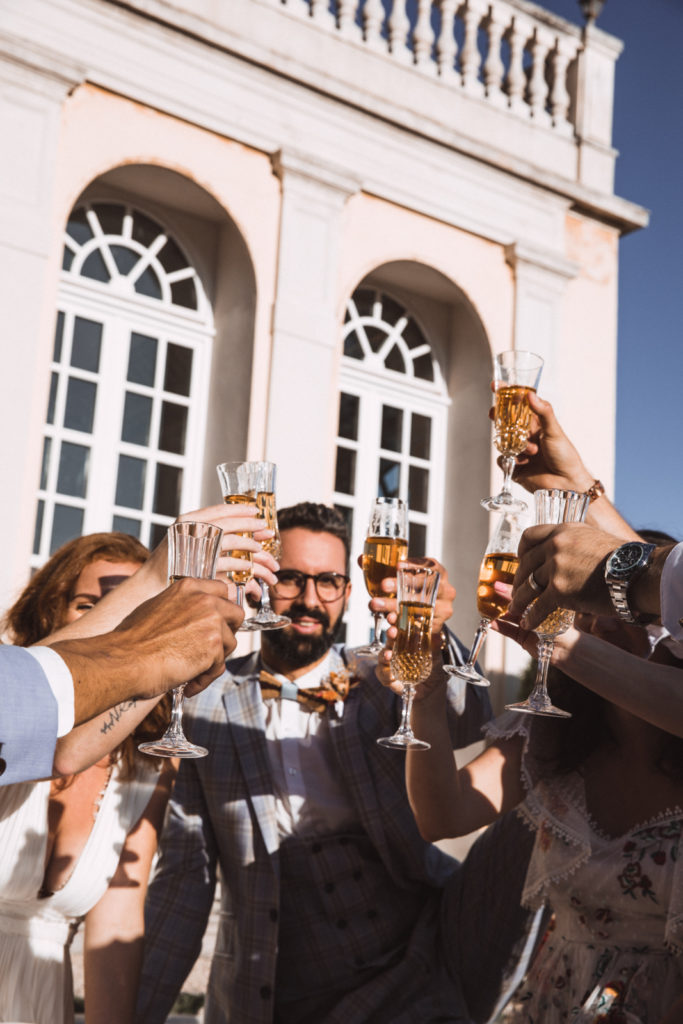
x=552 y=506
x=193 y=550
x=238 y=487
x=499 y=566
x=515 y=375
x=411 y=657
x=386 y=545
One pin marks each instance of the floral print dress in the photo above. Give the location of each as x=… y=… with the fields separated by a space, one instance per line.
x=614 y=949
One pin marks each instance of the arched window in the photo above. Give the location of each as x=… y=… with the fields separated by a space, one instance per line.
x=392 y=424
x=127 y=404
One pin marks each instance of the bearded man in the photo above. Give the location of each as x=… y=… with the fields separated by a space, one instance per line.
x=334 y=909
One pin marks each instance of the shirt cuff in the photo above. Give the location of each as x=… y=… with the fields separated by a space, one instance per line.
x=61 y=683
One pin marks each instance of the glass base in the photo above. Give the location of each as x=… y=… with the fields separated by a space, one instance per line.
x=172 y=748
x=403 y=740
x=272 y=621
x=467 y=673
x=546 y=709
x=503 y=503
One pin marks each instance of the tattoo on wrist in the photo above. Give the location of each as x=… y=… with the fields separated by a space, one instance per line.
x=115 y=714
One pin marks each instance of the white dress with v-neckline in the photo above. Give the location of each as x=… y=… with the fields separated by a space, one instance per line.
x=35 y=931
x=617 y=930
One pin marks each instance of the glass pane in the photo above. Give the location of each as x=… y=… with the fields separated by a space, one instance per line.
x=418 y=539
x=352 y=347
x=148 y=284
x=389 y=479
x=394 y=361
x=72 y=476
x=157 y=533
x=78 y=226
x=345 y=477
x=376 y=337
x=167 y=490
x=110 y=216
x=59 y=337
x=364 y=299
x=145 y=230
x=412 y=335
x=423 y=367
x=38 y=531
x=126 y=525
x=348 y=516
x=392 y=428
x=142 y=359
x=45 y=467
x=173 y=428
x=348 y=416
x=124 y=258
x=184 y=293
x=67 y=258
x=86 y=345
x=80 y=405
x=391 y=311
x=171 y=257
x=130 y=482
x=94 y=267
x=52 y=397
x=178 y=374
x=67 y=523
x=137 y=416
x=420 y=436
x=418 y=488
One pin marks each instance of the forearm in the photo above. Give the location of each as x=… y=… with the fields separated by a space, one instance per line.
x=431 y=775
x=112 y=965
x=603 y=515
x=87 y=743
x=651 y=691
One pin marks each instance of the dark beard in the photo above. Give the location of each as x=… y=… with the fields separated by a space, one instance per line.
x=300 y=651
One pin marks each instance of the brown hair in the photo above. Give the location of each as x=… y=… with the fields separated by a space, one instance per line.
x=42 y=605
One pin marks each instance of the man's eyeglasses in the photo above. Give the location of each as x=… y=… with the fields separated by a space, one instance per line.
x=329 y=586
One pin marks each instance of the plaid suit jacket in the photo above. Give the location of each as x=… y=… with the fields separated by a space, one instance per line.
x=222 y=813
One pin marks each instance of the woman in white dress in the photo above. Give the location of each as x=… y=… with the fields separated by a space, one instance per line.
x=603 y=793
x=80 y=848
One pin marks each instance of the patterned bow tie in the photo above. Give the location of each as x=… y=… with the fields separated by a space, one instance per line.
x=335 y=687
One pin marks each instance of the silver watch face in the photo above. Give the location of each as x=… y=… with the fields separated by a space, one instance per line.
x=622 y=563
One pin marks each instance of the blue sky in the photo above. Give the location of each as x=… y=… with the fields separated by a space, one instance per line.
x=648 y=132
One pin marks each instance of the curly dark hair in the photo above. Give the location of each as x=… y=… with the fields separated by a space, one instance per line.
x=310 y=515
x=41 y=608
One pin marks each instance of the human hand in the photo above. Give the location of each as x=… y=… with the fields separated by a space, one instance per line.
x=549 y=459
x=568 y=565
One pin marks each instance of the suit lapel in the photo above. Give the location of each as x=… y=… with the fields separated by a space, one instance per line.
x=247 y=722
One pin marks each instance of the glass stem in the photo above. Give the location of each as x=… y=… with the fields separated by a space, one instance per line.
x=479 y=637
x=540 y=690
x=406 y=707
x=377 y=616
x=265 y=597
x=175 y=727
x=239 y=587
x=507 y=464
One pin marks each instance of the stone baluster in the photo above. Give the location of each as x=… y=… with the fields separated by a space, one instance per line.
x=346 y=12
x=373 y=16
x=494 y=68
x=560 y=100
x=422 y=35
x=320 y=10
x=518 y=36
x=446 y=46
x=470 y=57
x=538 y=86
x=399 y=25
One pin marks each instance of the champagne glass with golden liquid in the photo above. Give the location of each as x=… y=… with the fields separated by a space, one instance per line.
x=193 y=549
x=515 y=375
x=238 y=487
x=553 y=506
x=499 y=565
x=264 y=474
x=386 y=544
x=411 y=657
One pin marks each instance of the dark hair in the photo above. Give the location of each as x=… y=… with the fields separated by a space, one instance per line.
x=41 y=608
x=561 y=746
x=310 y=515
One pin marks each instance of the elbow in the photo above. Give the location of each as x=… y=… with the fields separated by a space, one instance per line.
x=67 y=762
x=430 y=833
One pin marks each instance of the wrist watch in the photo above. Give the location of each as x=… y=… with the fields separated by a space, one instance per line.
x=621 y=568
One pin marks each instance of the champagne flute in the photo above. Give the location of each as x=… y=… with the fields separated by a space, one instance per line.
x=264 y=482
x=193 y=550
x=552 y=506
x=498 y=566
x=386 y=545
x=515 y=375
x=238 y=486
x=411 y=657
